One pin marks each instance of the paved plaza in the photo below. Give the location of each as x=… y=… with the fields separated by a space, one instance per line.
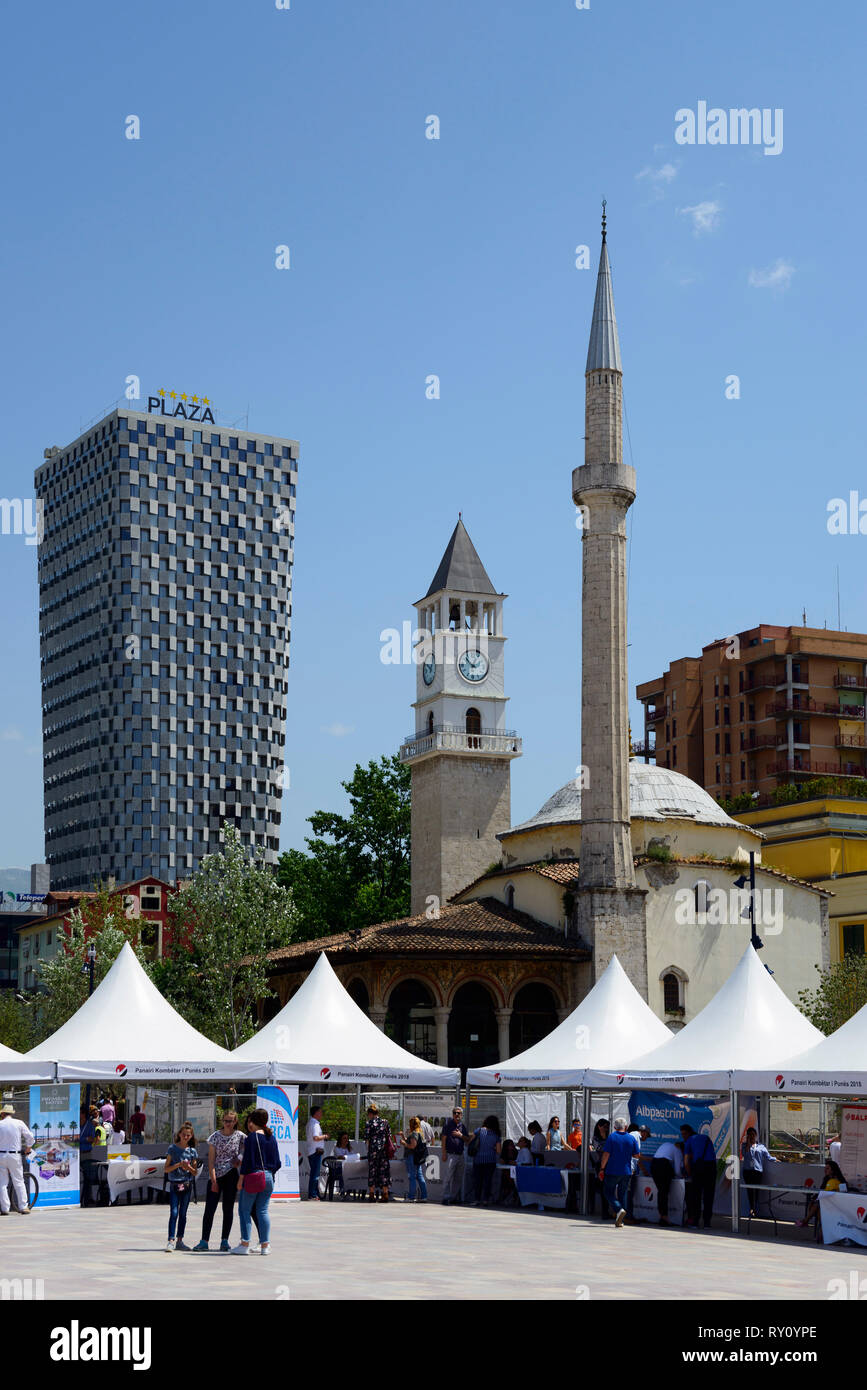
x=352 y=1250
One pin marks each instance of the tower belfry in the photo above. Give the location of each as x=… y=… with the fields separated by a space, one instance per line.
x=610 y=908
x=461 y=751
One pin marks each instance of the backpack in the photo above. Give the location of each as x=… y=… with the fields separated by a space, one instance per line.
x=420 y=1152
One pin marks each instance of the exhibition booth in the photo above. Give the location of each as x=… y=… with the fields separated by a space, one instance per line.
x=612 y=1056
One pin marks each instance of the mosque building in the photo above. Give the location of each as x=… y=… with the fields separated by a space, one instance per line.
x=511 y=925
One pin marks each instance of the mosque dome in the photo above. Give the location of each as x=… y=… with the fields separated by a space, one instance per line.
x=655 y=794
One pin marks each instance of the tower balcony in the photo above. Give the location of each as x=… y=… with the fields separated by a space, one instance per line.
x=451 y=738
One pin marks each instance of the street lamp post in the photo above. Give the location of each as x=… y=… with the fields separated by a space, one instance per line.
x=750 y=880
x=88 y=969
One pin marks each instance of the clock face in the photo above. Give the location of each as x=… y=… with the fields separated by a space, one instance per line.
x=473 y=666
x=429 y=670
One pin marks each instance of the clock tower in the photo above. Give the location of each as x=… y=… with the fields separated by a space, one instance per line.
x=461 y=750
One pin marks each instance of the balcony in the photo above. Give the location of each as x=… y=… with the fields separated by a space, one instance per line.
x=652 y=716
x=780 y=709
x=850 y=741
x=850 y=682
x=762 y=741
x=815 y=769
x=643 y=748
x=768 y=681
x=447 y=738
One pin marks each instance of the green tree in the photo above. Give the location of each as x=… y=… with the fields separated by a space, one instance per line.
x=18 y=1026
x=840 y=993
x=63 y=984
x=358 y=868
x=224 y=923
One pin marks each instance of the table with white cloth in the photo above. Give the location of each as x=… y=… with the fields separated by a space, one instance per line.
x=844 y=1215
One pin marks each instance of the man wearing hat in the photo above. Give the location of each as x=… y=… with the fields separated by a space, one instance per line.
x=13 y=1134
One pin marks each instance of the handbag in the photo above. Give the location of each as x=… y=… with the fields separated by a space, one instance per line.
x=255 y=1182
x=390 y=1150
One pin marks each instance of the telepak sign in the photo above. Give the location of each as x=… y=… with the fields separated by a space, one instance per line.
x=187 y=407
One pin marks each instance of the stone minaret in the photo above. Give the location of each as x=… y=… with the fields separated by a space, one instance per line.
x=610 y=909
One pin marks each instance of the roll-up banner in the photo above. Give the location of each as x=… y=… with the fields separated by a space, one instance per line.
x=281 y=1102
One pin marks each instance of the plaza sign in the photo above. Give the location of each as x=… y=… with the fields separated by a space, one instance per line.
x=187 y=407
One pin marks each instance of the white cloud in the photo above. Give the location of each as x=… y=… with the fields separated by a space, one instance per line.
x=337 y=730
x=705 y=216
x=776 y=277
x=658 y=178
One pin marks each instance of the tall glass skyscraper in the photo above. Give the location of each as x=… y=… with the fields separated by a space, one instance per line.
x=165 y=578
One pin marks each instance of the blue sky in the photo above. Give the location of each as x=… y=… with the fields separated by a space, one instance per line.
x=454 y=257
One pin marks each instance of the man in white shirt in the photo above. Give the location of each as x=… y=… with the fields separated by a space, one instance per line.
x=665 y=1165
x=427 y=1133
x=13 y=1134
x=315 y=1150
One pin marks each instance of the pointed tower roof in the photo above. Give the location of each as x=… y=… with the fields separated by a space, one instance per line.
x=460 y=568
x=604 y=349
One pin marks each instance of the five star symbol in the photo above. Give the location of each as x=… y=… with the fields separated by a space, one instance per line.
x=204 y=400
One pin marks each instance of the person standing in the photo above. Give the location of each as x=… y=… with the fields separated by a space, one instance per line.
x=554 y=1138
x=665 y=1165
x=137 y=1122
x=754 y=1160
x=538 y=1143
x=107 y=1112
x=615 y=1169
x=260 y=1161
x=427 y=1133
x=182 y=1164
x=452 y=1143
x=485 y=1160
x=415 y=1152
x=315 y=1150
x=377 y=1136
x=574 y=1137
x=14 y=1136
x=225 y=1150
x=699 y=1160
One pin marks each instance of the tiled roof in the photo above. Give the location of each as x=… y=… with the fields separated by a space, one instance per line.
x=565 y=871
x=481 y=927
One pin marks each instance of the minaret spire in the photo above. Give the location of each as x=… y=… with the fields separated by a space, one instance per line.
x=610 y=907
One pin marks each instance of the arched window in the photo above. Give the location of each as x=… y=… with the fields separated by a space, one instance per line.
x=534 y=1016
x=410 y=1019
x=430 y=723
x=670 y=993
x=510 y=895
x=357 y=991
x=472 y=1028
x=474 y=728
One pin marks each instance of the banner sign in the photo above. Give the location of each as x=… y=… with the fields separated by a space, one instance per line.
x=54 y=1118
x=843 y=1217
x=853 y=1140
x=281 y=1102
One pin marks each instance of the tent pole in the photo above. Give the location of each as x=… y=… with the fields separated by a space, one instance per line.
x=585 y=1151
x=357 y=1110
x=735 y=1131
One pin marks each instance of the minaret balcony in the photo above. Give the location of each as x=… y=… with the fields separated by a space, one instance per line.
x=447 y=738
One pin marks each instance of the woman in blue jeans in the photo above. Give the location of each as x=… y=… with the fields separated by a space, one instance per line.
x=260 y=1162
x=182 y=1162
x=414 y=1169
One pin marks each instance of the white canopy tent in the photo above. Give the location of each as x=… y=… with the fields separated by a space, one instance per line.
x=610 y=1026
x=127 y=1031
x=749 y=1023
x=322 y=1035
x=836 y=1065
x=14 y=1066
